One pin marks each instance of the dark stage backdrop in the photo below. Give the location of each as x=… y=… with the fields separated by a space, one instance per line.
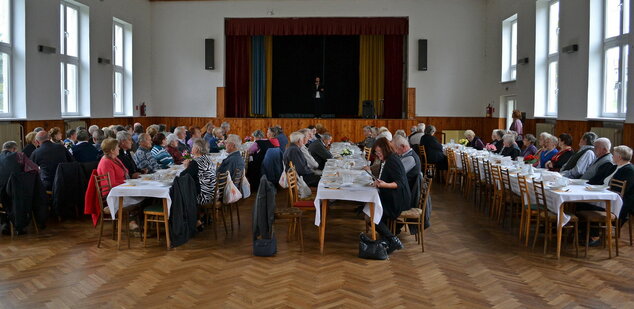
x=296 y=62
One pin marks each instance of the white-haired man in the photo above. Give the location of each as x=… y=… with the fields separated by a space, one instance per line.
x=414 y=139
x=181 y=134
x=601 y=150
x=234 y=161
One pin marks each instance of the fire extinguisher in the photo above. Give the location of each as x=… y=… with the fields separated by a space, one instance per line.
x=490 y=110
x=142 y=111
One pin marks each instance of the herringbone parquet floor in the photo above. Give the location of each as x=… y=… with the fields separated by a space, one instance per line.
x=468 y=263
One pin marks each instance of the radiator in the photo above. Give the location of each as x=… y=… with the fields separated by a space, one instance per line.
x=615 y=135
x=11 y=132
x=448 y=135
x=73 y=124
x=544 y=127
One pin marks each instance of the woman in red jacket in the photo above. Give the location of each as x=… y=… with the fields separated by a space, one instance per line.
x=110 y=164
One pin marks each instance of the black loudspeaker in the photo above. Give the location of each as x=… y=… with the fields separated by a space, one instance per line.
x=422 y=55
x=368 y=109
x=209 y=54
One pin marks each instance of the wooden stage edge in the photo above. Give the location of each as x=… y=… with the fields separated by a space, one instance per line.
x=342 y=128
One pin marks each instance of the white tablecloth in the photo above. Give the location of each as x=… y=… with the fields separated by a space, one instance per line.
x=358 y=192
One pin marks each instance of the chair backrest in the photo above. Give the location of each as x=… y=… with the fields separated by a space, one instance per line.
x=451 y=159
x=245 y=156
x=506 y=179
x=221 y=183
x=103 y=186
x=476 y=168
x=524 y=193
x=467 y=164
x=496 y=177
x=540 y=194
x=423 y=154
x=488 y=177
x=366 y=152
x=293 y=189
x=425 y=191
x=618 y=186
x=236 y=177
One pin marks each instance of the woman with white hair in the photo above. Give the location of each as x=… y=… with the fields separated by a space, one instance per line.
x=172 y=149
x=510 y=148
x=474 y=141
x=294 y=154
x=202 y=170
x=550 y=142
x=496 y=137
x=216 y=140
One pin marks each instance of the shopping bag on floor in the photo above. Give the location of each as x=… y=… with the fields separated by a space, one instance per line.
x=232 y=194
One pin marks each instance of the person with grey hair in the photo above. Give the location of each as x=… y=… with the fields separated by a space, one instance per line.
x=433 y=149
x=38 y=129
x=48 y=156
x=579 y=162
x=528 y=142
x=400 y=132
x=202 y=169
x=312 y=163
x=97 y=137
x=233 y=162
x=181 y=135
x=509 y=148
x=143 y=157
x=370 y=137
x=294 y=154
x=550 y=143
x=474 y=141
x=125 y=156
x=319 y=150
x=602 y=153
x=226 y=127
x=496 y=140
x=173 y=150
x=414 y=139
x=83 y=151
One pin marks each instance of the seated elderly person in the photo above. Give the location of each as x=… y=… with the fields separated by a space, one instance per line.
x=97 y=137
x=529 y=145
x=579 y=162
x=181 y=136
x=110 y=163
x=233 y=162
x=312 y=163
x=549 y=151
x=474 y=141
x=319 y=150
x=509 y=148
x=602 y=153
x=294 y=154
x=48 y=156
x=125 y=156
x=12 y=161
x=433 y=149
x=496 y=140
x=370 y=136
x=143 y=156
x=173 y=150
x=159 y=153
x=216 y=140
x=83 y=151
x=202 y=170
x=414 y=139
x=565 y=153
x=196 y=133
x=30 y=144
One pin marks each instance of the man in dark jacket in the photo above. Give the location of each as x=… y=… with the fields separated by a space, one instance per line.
x=319 y=151
x=83 y=151
x=433 y=149
x=9 y=163
x=234 y=162
x=47 y=157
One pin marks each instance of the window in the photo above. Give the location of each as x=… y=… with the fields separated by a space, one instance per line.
x=122 y=67
x=509 y=49
x=552 y=67
x=5 y=57
x=616 y=22
x=69 y=58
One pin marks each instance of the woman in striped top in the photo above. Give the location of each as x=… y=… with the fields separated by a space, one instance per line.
x=159 y=153
x=203 y=171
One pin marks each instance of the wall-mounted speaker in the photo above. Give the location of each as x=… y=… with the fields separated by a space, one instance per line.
x=523 y=60
x=209 y=54
x=422 y=55
x=103 y=60
x=570 y=48
x=46 y=49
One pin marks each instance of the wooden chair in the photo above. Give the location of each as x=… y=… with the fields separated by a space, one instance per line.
x=510 y=197
x=467 y=169
x=236 y=179
x=293 y=192
x=529 y=211
x=549 y=217
x=453 y=172
x=246 y=157
x=477 y=182
x=417 y=214
x=102 y=183
x=367 y=152
x=487 y=186
x=157 y=213
x=423 y=161
x=498 y=194
x=294 y=212
x=216 y=208
x=600 y=218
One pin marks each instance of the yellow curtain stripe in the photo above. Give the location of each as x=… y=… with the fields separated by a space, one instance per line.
x=371 y=70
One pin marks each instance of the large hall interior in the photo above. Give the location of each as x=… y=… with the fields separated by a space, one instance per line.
x=381 y=154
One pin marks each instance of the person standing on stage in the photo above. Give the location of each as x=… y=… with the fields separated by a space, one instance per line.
x=318 y=97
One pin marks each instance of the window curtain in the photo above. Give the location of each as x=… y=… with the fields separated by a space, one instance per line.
x=317 y=26
x=371 y=70
x=393 y=100
x=258 y=76
x=237 y=76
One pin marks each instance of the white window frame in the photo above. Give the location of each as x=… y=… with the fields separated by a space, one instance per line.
x=125 y=70
x=66 y=59
x=509 y=65
x=551 y=58
x=7 y=48
x=620 y=41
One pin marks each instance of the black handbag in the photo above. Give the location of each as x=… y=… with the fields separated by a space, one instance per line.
x=372 y=249
x=265 y=247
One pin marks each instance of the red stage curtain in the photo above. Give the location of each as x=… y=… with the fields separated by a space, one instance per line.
x=393 y=85
x=317 y=26
x=237 y=76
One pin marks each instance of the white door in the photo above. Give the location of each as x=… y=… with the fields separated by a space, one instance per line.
x=510 y=102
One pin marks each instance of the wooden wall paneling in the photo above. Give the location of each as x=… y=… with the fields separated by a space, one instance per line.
x=220 y=102
x=30 y=125
x=411 y=103
x=628 y=134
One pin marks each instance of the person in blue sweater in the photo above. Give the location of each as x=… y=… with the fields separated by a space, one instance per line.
x=159 y=153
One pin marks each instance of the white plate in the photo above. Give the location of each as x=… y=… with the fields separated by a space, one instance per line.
x=596 y=187
x=578 y=181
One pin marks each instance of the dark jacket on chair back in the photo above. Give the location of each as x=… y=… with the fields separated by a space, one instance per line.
x=183 y=213
x=47 y=157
